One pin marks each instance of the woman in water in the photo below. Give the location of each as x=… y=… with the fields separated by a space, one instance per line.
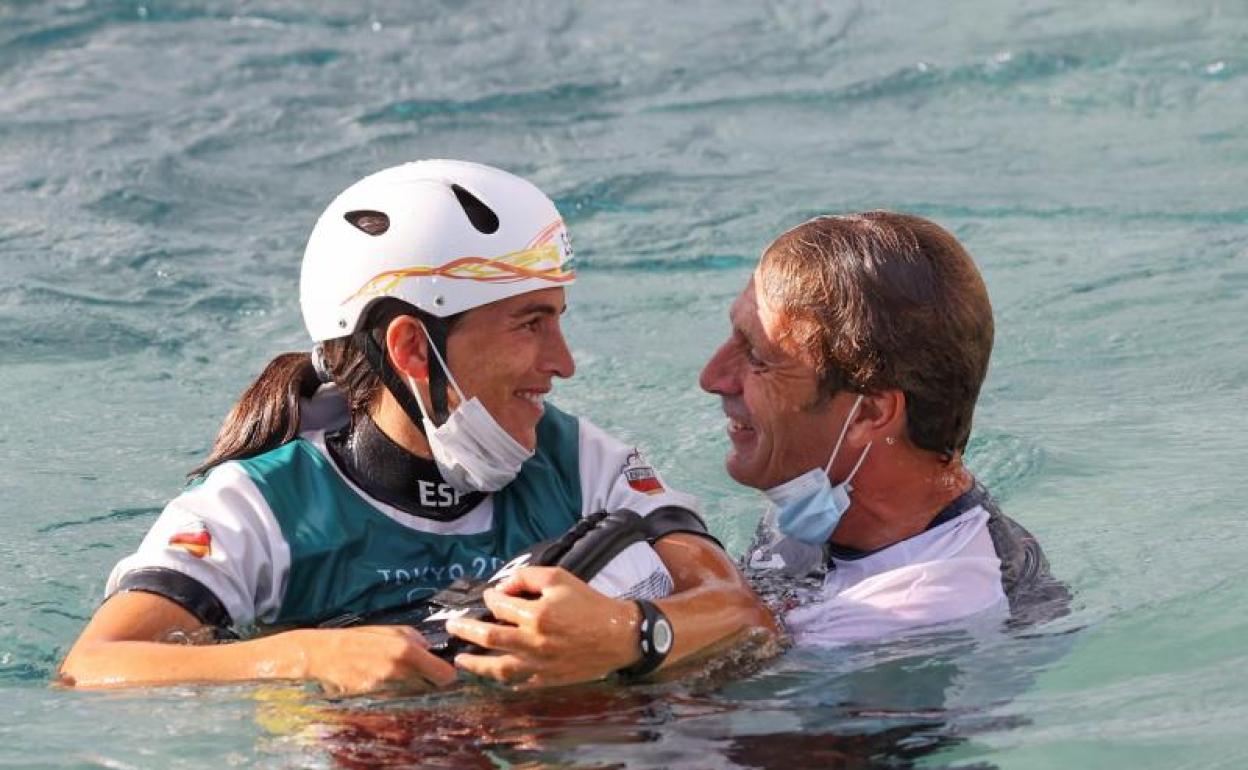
x=412 y=448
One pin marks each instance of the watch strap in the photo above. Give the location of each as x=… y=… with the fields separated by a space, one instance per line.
x=655 y=638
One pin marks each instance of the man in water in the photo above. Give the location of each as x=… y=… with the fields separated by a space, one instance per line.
x=856 y=355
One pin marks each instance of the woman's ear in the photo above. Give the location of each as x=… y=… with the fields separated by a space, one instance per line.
x=408 y=348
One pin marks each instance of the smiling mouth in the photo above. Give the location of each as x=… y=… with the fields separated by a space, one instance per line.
x=738 y=428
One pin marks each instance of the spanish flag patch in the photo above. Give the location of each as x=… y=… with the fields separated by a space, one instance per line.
x=193 y=539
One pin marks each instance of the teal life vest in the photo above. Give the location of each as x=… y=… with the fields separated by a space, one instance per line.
x=346 y=556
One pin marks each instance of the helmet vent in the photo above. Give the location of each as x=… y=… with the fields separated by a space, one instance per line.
x=371 y=222
x=479 y=214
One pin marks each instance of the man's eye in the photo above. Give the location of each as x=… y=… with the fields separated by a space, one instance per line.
x=532 y=325
x=753 y=360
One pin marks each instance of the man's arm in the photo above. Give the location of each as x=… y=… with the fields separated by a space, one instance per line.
x=563 y=631
x=122 y=646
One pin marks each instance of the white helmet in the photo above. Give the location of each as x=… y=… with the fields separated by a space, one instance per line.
x=443 y=235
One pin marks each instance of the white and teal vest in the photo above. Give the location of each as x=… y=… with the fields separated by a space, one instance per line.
x=286 y=539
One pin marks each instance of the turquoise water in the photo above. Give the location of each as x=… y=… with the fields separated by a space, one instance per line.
x=162 y=162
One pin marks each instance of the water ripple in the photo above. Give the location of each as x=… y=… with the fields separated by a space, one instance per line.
x=24 y=339
x=607 y=194
x=670 y=265
x=923 y=78
x=553 y=99
x=114 y=515
x=36 y=294
x=134 y=206
x=952 y=211
x=49 y=36
x=1004 y=462
x=307 y=57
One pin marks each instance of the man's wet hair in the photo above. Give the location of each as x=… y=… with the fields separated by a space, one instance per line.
x=881 y=301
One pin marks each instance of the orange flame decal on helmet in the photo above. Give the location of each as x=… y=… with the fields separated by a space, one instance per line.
x=541 y=260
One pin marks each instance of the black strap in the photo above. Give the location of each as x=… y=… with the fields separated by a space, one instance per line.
x=655 y=638
x=379 y=362
x=594 y=542
x=588 y=547
x=671 y=519
x=179 y=588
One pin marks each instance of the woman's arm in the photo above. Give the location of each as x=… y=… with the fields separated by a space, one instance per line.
x=563 y=631
x=126 y=644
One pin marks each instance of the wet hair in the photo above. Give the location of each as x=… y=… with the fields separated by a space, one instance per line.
x=267 y=415
x=881 y=301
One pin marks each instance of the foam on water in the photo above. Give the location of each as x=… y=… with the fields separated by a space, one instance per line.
x=161 y=164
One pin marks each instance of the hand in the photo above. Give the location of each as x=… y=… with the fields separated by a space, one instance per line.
x=561 y=631
x=349 y=661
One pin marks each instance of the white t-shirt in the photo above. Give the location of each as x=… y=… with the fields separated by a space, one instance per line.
x=949 y=573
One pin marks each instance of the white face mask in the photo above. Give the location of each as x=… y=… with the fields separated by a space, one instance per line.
x=808 y=508
x=472 y=451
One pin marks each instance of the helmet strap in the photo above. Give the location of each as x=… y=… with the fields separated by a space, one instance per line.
x=379 y=362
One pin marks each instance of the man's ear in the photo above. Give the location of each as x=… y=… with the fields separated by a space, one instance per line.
x=408 y=348
x=881 y=415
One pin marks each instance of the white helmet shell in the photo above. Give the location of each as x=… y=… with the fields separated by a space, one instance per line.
x=441 y=252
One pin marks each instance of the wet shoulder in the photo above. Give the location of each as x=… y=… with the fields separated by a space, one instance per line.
x=1034 y=594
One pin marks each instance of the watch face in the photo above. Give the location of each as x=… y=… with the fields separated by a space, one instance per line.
x=662 y=636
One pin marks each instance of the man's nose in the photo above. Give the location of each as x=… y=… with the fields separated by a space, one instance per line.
x=719 y=375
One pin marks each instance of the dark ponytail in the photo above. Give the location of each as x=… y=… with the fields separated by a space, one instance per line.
x=267 y=415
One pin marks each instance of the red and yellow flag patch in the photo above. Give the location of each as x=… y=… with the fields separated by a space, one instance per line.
x=194 y=539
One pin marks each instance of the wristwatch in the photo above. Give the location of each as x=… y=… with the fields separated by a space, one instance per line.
x=655 y=639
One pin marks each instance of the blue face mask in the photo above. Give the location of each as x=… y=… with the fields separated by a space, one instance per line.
x=809 y=507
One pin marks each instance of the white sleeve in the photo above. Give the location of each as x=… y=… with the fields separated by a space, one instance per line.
x=222 y=535
x=615 y=475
